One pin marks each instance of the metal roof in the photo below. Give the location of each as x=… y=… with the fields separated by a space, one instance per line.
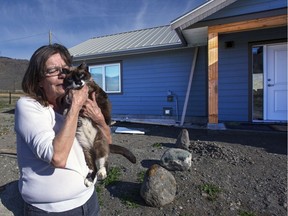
x=139 y=40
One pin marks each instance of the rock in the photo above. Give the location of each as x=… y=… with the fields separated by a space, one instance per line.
x=158 y=187
x=183 y=141
x=176 y=159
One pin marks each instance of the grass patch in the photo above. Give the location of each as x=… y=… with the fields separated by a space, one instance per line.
x=210 y=190
x=140 y=176
x=157 y=145
x=113 y=176
x=4 y=104
x=99 y=191
x=129 y=202
x=7 y=102
x=128 y=198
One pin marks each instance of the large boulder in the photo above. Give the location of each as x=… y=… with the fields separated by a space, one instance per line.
x=158 y=187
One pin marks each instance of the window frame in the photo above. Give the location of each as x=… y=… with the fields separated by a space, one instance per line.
x=103 y=66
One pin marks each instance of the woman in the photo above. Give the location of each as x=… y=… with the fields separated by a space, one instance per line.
x=51 y=161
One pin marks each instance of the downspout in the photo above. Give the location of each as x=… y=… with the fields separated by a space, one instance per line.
x=189 y=86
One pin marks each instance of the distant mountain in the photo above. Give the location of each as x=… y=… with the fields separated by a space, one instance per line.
x=11 y=73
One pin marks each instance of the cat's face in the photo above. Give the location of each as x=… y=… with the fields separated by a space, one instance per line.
x=77 y=77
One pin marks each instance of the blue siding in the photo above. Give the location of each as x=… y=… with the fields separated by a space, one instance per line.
x=146 y=80
x=234 y=72
x=241 y=7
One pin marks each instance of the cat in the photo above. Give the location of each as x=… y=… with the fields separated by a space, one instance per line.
x=95 y=146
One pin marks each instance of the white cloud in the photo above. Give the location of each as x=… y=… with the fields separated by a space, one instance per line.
x=140 y=17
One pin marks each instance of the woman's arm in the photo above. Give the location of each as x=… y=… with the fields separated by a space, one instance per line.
x=63 y=141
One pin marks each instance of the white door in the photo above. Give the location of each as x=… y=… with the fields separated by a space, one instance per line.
x=275 y=83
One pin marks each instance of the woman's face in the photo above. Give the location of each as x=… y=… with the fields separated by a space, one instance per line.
x=52 y=84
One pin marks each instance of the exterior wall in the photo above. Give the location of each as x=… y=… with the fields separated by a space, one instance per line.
x=147 y=78
x=241 y=7
x=234 y=77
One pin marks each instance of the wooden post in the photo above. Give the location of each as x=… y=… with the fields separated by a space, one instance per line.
x=213 y=78
x=10 y=98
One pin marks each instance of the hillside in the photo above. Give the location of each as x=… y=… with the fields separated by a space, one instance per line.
x=11 y=73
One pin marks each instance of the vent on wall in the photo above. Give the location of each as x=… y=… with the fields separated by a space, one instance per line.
x=167 y=111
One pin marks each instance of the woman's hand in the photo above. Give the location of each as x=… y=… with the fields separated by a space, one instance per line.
x=91 y=110
x=79 y=97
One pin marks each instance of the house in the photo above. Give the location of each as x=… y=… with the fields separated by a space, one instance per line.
x=224 y=61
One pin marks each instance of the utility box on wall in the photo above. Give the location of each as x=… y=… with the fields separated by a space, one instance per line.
x=167 y=111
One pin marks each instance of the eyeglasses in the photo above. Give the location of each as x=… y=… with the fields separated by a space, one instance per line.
x=56 y=71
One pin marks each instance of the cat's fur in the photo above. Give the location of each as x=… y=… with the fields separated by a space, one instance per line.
x=90 y=137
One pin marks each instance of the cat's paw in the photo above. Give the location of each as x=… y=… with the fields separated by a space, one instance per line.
x=88 y=183
x=102 y=173
x=90 y=179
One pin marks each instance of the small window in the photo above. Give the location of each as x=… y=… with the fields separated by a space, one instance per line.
x=107 y=76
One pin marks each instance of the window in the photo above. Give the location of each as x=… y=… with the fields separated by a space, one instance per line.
x=257 y=73
x=107 y=76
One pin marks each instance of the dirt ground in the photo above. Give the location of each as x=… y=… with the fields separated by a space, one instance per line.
x=234 y=172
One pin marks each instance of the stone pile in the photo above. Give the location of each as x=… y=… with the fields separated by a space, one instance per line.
x=159 y=185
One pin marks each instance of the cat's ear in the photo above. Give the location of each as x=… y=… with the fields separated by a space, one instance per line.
x=83 y=66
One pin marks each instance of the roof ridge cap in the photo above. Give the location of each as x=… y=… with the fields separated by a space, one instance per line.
x=136 y=30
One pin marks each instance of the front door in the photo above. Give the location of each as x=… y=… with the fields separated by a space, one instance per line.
x=275 y=82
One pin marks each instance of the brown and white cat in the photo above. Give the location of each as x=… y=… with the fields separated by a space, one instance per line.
x=95 y=146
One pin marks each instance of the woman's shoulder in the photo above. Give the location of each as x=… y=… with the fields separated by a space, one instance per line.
x=26 y=102
x=24 y=99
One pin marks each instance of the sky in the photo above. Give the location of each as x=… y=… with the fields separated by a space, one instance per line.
x=25 y=24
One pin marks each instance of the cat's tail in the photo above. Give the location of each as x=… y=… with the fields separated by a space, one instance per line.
x=116 y=149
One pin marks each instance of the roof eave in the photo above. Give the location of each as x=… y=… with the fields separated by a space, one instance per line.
x=200 y=13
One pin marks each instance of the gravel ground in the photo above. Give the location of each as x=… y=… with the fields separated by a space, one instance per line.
x=233 y=172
